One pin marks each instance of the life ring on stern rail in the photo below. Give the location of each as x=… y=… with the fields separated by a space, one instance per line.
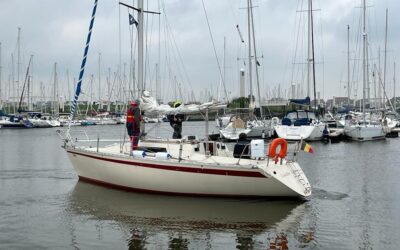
x=282 y=152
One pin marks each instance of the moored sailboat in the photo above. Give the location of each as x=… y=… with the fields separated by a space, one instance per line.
x=185 y=166
x=300 y=125
x=361 y=129
x=303 y=124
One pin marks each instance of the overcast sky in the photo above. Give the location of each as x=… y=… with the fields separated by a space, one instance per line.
x=55 y=31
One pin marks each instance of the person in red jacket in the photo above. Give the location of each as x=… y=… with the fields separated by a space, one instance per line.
x=133 y=119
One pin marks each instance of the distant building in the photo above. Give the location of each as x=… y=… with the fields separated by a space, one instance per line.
x=341 y=101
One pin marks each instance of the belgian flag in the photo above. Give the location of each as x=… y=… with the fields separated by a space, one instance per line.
x=307 y=148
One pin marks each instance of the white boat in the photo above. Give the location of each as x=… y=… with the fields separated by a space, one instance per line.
x=183 y=166
x=151 y=120
x=303 y=124
x=103 y=119
x=252 y=129
x=334 y=126
x=187 y=167
x=364 y=131
x=44 y=122
x=360 y=128
x=14 y=122
x=300 y=125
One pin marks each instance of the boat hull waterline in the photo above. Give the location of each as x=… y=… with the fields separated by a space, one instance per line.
x=183 y=178
x=297 y=133
x=365 y=133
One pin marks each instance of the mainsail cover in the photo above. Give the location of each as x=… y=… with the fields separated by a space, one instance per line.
x=305 y=101
x=150 y=107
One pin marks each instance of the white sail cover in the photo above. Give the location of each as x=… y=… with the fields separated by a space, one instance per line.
x=151 y=108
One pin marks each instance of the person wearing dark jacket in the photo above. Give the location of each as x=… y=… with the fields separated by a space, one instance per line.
x=133 y=120
x=176 y=122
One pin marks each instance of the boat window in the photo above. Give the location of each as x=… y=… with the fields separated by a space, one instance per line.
x=311 y=115
x=301 y=114
x=292 y=116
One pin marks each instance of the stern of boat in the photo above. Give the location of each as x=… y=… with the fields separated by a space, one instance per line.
x=291 y=175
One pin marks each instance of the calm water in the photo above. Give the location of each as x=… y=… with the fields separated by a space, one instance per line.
x=355 y=203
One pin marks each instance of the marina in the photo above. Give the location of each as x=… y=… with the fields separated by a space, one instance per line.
x=352 y=206
x=152 y=148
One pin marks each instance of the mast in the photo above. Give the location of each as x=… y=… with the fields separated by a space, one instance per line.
x=55 y=92
x=109 y=90
x=69 y=89
x=23 y=87
x=224 y=68
x=41 y=96
x=313 y=61
x=13 y=81
x=367 y=84
x=30 y=87
x=364 y=59
x=256 y=64
x=99 y=82
x=224 y=60
x=140 y=47
x=1 y=97
x=348 y=64
x=379 y=78
x=384 y=62
x=375 y=91
x=394 y=85
x=250 y=66
x=18 y=57
x=308 y=46
x=158 y=83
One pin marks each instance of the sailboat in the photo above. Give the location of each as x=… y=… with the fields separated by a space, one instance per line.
x=187 y=166
x=303 y=124
x=361 y=129
x=252 y=127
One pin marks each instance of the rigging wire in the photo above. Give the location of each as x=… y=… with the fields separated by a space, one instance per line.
x=178 y=56
x=215 y=51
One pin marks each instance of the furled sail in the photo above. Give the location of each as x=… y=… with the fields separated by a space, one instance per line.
x=150 y=107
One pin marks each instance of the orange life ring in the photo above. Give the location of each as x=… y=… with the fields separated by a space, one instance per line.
x=274 y=144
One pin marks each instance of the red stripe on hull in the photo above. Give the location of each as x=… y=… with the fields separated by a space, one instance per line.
x=238 y=173
x=140 y=190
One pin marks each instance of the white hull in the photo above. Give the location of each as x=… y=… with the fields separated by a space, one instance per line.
x=200 y=175
x=258 y=129
x=103 y=121
x=231 y=133
x=295 y=133
x=364 y=132
x=38 y=123
x=336 y=132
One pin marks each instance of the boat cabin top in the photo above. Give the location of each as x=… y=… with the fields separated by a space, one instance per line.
x=299 y=118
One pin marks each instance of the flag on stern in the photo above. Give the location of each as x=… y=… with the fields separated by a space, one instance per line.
x=307 y=148
x=132 y=20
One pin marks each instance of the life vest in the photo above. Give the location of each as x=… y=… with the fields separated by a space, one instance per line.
x=129 y=116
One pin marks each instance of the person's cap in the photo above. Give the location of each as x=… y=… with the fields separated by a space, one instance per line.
x=177 y=103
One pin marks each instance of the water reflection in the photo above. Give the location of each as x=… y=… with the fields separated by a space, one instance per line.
x=184 y=222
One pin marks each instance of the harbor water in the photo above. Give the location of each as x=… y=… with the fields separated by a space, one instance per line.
x=355 y=202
